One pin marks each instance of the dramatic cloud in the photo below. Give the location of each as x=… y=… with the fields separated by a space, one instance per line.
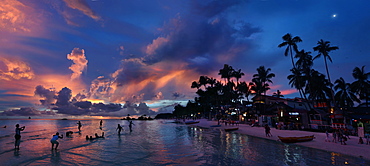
x=79 y=60
x=14 y=69
x=13 y=17
x=49 y=95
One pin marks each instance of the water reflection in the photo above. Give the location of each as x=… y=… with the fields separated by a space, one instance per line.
x=154 y=143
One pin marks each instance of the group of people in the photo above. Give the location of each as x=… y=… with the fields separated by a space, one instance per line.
x=338 y=136
x=56 y=136
x=96 y=136
x=120 y=128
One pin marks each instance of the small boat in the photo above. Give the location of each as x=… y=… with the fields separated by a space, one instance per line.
x=296 y=139
x=231 y=129
x=215 y=126
x=191 y=122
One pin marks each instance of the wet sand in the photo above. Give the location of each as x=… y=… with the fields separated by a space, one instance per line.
x=352 y=148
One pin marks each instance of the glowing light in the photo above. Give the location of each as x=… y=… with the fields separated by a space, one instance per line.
x=334 y=15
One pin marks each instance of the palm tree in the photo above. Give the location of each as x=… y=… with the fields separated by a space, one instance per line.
x=305 y=61
x=226 y=72
x=237 y=74
x=257 y=87
x=291 y=43
x=318 y=86
x=244 y=88
x=323 y=48
x=262 y=77
x=361 y=85
x=277 y=94
x=297 y=80
x=345 y=97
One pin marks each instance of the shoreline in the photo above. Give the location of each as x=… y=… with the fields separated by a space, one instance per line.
x=351 y=149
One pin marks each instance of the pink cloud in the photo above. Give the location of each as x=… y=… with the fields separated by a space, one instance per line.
x=82 y=6
x=79 y=60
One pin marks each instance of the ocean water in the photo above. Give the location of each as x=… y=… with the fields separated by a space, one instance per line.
x=156 y=142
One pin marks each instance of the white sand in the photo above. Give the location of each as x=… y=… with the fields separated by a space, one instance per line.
x=352 y=148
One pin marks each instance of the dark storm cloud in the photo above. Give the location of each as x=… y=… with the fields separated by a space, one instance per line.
x=64 y=96
x=205 y=33
x=48 y=95
x=132 y=70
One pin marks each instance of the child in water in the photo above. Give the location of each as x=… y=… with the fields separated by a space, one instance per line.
x=54 y=140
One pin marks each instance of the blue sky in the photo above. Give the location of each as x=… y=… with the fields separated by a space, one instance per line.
x=150 y=51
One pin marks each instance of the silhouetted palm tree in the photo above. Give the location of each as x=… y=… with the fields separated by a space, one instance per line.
x=361 y=85
x=244 y=88
x=304 y=61
x=263 y=76
x=291 y=43
x=344 y=97
x=237 y=74
x=226 y=72
x=258 y=87
x=297 y=80
x=318 y=87
x=277 y=94
x=323 y=48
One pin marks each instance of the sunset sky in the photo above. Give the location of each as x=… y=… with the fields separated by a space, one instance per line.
x=149 y=51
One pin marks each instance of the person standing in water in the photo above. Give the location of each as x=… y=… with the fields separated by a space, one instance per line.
x=17 y=135
x=101 y=124
x=119 y=128
x=54 y=140
x=130 y=125
x=79 y=126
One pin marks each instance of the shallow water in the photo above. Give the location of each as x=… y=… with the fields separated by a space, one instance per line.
x=156 y=142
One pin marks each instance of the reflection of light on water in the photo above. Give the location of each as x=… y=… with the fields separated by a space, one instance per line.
x=293 y=154
x=333 y=154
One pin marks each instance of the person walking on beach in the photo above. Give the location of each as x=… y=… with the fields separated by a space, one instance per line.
x=79 y=125
x=334 y=137
x=119 y=128
x=268 y=131
x=130 y=125
x=54 y=139
x=327 y=139
x=17 y=135
x=367 y=136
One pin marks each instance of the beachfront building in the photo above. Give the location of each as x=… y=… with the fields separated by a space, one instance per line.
x=289 y=113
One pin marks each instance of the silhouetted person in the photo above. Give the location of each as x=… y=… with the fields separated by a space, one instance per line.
x=4 y=127
x=130 y=125
x=79 y=126
x=101 y=123
x=119 y=128
x=69 y=133
x=97 y=136
x=17 y=135
x=54 y=140
x=268 y=131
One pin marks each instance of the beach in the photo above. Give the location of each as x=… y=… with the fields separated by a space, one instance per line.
x=352 y=148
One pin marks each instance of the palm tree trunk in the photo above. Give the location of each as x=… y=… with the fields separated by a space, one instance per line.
x=291 y=56
x=331 y=85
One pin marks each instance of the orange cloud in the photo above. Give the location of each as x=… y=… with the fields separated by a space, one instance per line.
x=157 y=43
x=14 y=69
x=79 y=60
x=82 y=6
x=18 y=81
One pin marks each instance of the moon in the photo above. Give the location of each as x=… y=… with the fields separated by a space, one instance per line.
x=334 y=15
